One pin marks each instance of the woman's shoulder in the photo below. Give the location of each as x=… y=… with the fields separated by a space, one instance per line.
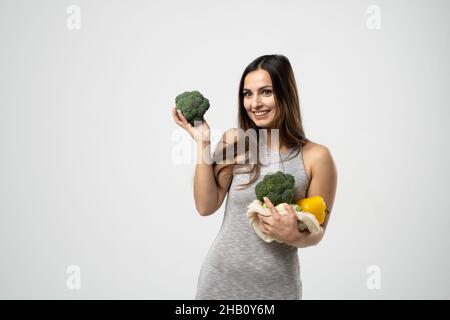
x=313 y=154
x=314 y=149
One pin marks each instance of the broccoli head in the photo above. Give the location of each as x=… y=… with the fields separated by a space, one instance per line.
x=192 y=104
x=278 y=187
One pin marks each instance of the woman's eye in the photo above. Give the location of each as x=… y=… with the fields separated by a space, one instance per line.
x=264 y=91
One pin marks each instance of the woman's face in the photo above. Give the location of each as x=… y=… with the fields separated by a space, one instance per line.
x=259 y=101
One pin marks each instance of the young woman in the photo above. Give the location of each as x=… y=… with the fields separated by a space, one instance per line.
x=239 y=264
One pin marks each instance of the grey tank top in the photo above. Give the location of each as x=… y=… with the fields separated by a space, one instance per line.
x=239 y=264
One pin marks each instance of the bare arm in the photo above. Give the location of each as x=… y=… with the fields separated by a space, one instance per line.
x=210 y=188
x=323 y=183
x=205 y=187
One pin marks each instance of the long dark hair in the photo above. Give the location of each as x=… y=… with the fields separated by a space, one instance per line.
x=287 y=117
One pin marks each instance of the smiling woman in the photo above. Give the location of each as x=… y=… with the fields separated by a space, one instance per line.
x=240 y=264
x=268 y=99
x=260 y=104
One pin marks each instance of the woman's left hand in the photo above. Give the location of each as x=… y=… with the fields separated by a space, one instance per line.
x=284 y=227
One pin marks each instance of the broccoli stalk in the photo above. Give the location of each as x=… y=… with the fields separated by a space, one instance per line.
x=278 y=187
x=193 y=105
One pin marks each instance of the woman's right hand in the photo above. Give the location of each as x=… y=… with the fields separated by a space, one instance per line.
x=200 y=133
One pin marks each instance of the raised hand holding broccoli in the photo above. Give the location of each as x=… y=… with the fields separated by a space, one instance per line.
x=192 y=105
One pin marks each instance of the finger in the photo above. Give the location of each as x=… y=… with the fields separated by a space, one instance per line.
x=177 y=118
x=261 y=220
x=291 y=214
x=272 y=208
x=186 y=123
x=265 y=229
x=290 y=210
x=265 y=221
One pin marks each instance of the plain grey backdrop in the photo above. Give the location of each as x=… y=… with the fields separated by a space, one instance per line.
x=90 y=170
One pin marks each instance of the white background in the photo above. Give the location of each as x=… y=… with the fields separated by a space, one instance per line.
x=88 y=175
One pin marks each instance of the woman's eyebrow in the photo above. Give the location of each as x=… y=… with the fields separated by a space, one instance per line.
x=245 y=89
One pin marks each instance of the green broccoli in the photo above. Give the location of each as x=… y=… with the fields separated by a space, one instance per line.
x=278 y=187
x=192 y=104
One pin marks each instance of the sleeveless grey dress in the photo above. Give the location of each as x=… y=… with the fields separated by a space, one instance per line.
x=240 y=265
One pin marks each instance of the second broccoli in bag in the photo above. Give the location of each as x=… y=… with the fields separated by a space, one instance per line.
x=279 y=188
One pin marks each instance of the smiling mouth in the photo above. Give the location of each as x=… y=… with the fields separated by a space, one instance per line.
x=261 y=113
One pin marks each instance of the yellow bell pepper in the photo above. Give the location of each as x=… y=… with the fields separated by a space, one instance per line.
x=314 y=205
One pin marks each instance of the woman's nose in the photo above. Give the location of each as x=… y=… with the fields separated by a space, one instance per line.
x=256 y=101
